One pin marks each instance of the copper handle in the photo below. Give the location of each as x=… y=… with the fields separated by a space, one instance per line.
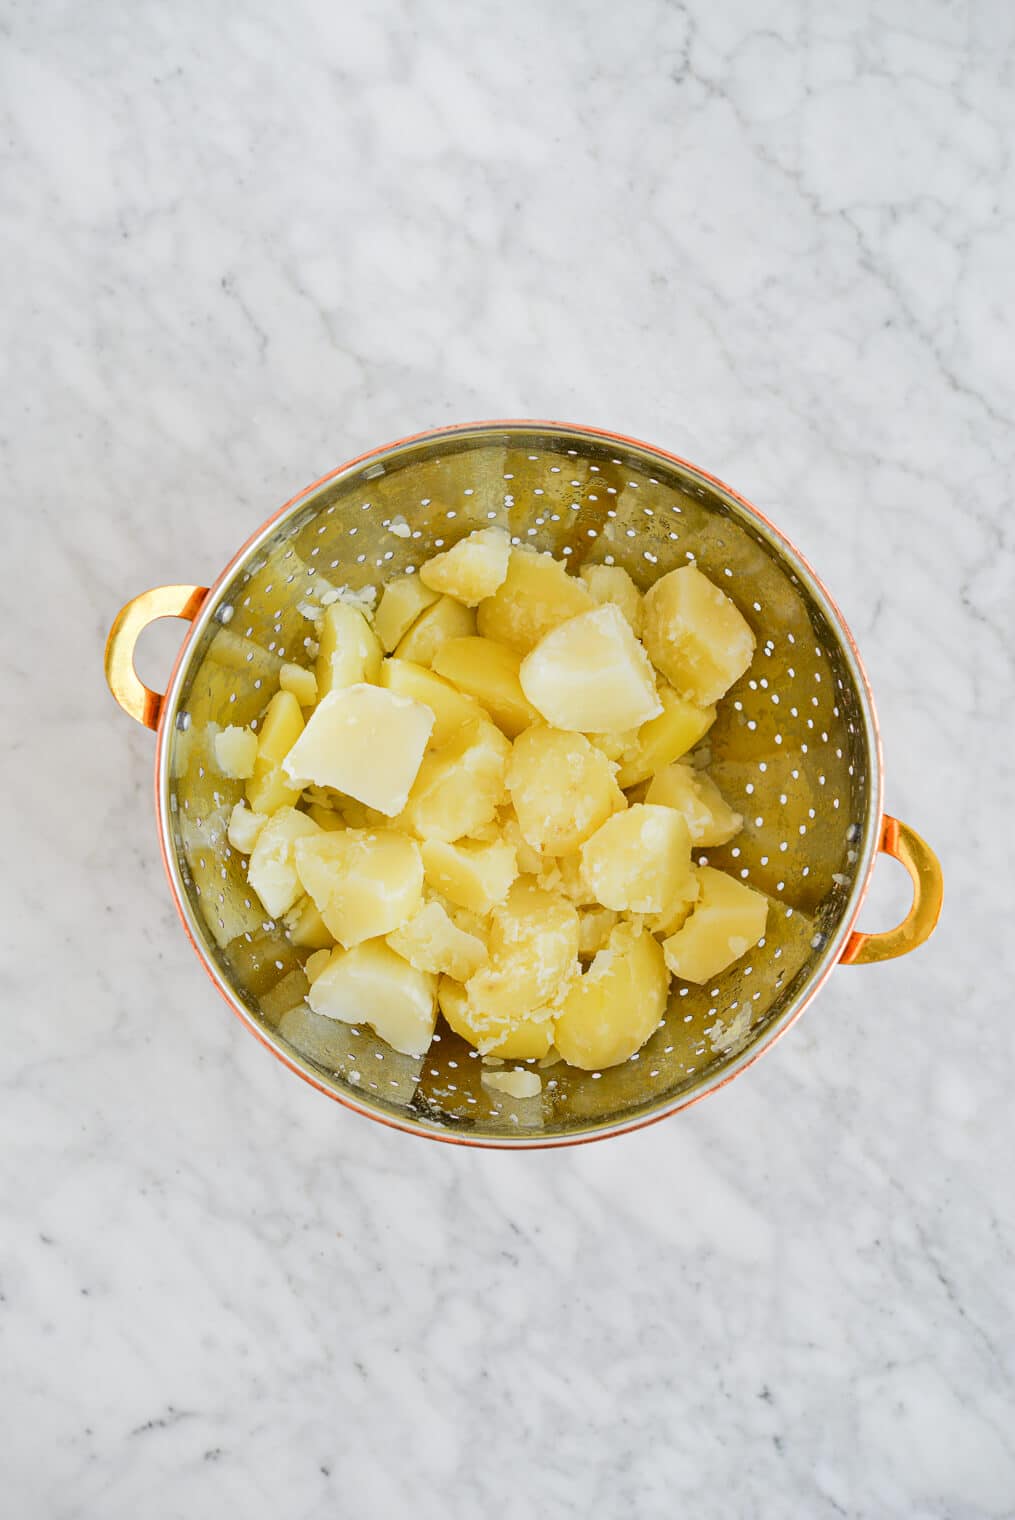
x=924 y=869
x=124 y=682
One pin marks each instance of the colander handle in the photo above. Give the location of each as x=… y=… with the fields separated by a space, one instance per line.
x=924 y=868
x=124 y=682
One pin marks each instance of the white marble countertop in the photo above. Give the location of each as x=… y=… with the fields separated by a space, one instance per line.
x=245 y=242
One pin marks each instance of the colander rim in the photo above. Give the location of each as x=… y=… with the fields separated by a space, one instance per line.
x=485 y=431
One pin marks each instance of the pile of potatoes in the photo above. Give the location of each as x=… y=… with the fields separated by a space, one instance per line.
x=477 y=802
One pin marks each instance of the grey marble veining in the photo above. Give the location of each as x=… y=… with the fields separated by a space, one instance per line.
x=243 y=243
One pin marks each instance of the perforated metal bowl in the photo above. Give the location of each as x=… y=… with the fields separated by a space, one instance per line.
x=795 y=749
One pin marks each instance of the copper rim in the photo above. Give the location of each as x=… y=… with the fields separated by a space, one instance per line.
x=832 y=951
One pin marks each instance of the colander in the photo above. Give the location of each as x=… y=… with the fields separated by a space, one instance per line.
x=795 y=748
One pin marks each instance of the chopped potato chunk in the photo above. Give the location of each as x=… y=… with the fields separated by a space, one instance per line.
x=639 y=860
x=364 y=882
x=533 y=948
x=363 y=741
x=591 y=674
x=402 y=601
x=727 y=920
x=269 y=788
x=236 y=752
x=695 y=635
x=516 y=1084
x=450 y=707
x=610 y=1011
x=372 y=985
x=489 y=673
x=527 y=1038
x=595 y=925
x=431 y=942
x=472 y=569
x=709 y=816
x=316 y=963
x=446 y=619
x=326 y=818
x=306 y=928
x=609 y=583
x=244 y=827
x=535 y=596
x=349 y=649
x=460 y=785
x=272 y=867
x=562 y=789
x=661 y=740
x=301 y=682
x=473 y=875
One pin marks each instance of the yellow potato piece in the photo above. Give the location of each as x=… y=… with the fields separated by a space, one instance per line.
x=306 y=928
x=639 y=860
x=533 y=946
x=271 y=870
x=728 y=919
x=430 y=941
x=372 y=985
x=236 y=752
x=326 y=818
x=460 y=785
x=364 y=882
x=525 y=1039
x=530 y=861
x=488 y=672
x=609 y=583
x=449 y=706
x=676 y=730
x=349 y=649
x=590 y=674
x=244 y=827
x=691 y=792
x=302 y=683
x=363 y=741
x=562 y=789
x=269 y=788
x=446 y=619
x=401 y=603
x=473 y=568
x=537 y=594
x=595 y=925
x=471 y=874
x=695 y=635
x=316 y=963
x=610 y=1011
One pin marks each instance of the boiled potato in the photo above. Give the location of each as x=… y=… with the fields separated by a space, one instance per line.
x=533 y=946
x=530 y=861
x=372 y=985
x=306 y=928
x=727 y=920
x=301 y=682
x=431 y=942
x=271 y=870
x=661 y=740
x=363 y=741
x=695 y=636
x=472 y=569
x=236 y=752
x=449 y=706
x=488 y=672
x=364 y=882
x=610 y=583
x=471 y=874
x=562 y=789
x=536 y=594
x=446 y=619
x=460 y=785
x=401 y=603
x=639 y=860
x=244 y=827
x=615 y=1006
x=525 y=1038
x=709 y=816
x=269 y=788
x=349 y=649
x=326 y=818
x=595 y=925
x=590 y=674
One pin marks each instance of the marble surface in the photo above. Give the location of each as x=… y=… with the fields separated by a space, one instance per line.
x=244 y=242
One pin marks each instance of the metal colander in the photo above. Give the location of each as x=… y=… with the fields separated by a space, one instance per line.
x=795 y=750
